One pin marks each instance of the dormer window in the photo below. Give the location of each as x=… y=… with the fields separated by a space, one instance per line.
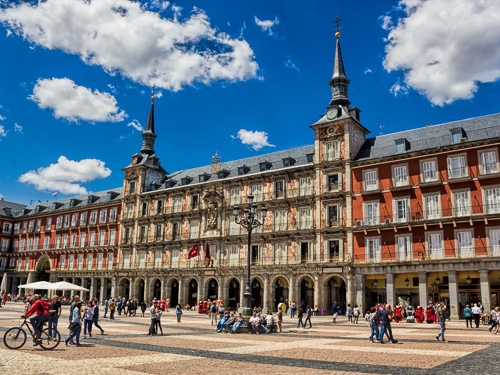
x=223 y=174
x=458 y=135
x=402 y=145
x=287 y=162
x=203 y=177
x=310 y=158
x=264 y=166
x=170 y=183
x=243 y=170
x=186 y=180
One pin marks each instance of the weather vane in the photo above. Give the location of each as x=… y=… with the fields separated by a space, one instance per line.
x=153 y=90
x=336 y=22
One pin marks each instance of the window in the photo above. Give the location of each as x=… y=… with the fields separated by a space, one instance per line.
x=159 y=232
x=59 y=222
x=143 y=230
x=177 y=204
x=159 y=207
x=92 y=239
x=102 y=216
x=332 y=150
x=305 y=254
x=457 y=166
x=333 y=182
x=62 y=261
x=310 y=158
x=234 y=196
x=126 y=259
x=401 y=210
x=305 y=186
x=400 y=175
x=489 y=162
x=280 y=220
x=175 y=258
x=429 y=171
x=194 y=229
x=257 y=193
x=332 y=219
x=73 y=240
x=65 y=241
x=93 y=217
x=6 y=228
x=494 y=242
x=74 y=220
x=27 y=264
x=465 y=244
x=113 y=213
x=102 y=237
x=373 y=253
x=370 y=180
x=195 y=201
x=234 y=228
x=461 y=205
x=333 y=250
x=431 y=207
x=80 y=261
x=404 y=247
x=144 y=208
x=158 y=259
x=371 y=213
x=492 y=198
x=401 y=146
x=46 y=242
x=71 y=262
x=457 y=135
x=38 y=225
x=279 y=189
x=83 y=219
x=83 y=237
x=112 y=237
x=280 y=253
x=90 y=258
x=16 y=228
x=435 y=245
x=131 y=187
x=305 y=221
x=110 y=260
x=66 y=221
x=58 y=241
x=142 y=259
x=175 y=231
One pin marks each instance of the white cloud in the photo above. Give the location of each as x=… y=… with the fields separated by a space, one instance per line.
x=3 y=133
x=18 y=128
x=398 y=89
x=254 y=139
x=386 y=22
x=290 y=64
x=74 y=103
x=446 y=50
x=123 y=37
x=2 y=117
x=136 y=125
x=266 y=25
x=66 y=175
x=368 y=71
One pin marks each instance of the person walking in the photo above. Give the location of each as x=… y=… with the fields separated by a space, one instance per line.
x=355 y=314
x=308 y=316
x=143 y=308
x=349 y=313
x=112 y=308
x=152 y=310
x=468 y=316
x=178 y=313
x=95 y=317
x=385 y=317
x=335 y=311
x=373 y=320
x=88 y=313
x=441 y=318
x=300 y=315
x=55 y=309
x=280 y=319
x=476 y=314
x=106 y=307
x=76 y=325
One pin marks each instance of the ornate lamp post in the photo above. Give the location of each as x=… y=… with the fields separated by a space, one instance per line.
x=249 y=222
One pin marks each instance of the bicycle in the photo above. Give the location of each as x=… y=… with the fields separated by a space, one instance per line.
x=15 y=337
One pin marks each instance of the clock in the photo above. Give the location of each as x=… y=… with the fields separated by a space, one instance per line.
x=333 y=113
x=153 y=178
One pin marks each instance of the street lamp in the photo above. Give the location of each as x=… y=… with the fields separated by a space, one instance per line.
x=249 y=222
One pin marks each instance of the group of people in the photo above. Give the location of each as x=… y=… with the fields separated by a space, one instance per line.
x=82 y=314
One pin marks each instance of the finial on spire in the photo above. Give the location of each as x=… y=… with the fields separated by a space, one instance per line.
x=153 y=93
x=337 y=26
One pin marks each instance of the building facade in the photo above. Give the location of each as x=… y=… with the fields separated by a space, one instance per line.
x=399 y=217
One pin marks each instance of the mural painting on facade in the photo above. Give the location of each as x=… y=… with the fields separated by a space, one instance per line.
x=292 y=218
x=292 y=252
x=267 y=252
x=212 y=216
x=185 y=229
x=291 y=184
x=268 y=223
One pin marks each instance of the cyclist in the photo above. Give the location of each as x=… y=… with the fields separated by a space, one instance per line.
x=42 y=309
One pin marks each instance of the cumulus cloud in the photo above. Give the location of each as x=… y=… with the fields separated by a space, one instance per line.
x=136 y=125
x=444 y=51
x=72 y=102
x=124 y=37
x=18 y=128
x=3 y=132
x=291 y=64
x=254 y=139
x=367 y=71
x=267 y=25
x=66 y=176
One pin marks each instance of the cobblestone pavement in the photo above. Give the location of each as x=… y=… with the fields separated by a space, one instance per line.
x=193 y=346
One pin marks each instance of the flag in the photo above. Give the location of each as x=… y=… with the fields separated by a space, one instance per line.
x=207 y=252
x=54 y=194
x=194 y=251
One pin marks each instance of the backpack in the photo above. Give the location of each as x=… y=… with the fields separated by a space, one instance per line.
x=213 y=308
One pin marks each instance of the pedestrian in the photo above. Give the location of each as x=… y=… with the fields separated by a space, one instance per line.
x=213 y=313
x=153 y=309
x=442 y=318
x=308 y=316
x=335 y=311
x=143 y=308
x=280 y=319
x=112 y=307
x=95 y=317
x=355 y=314
x=300 y=315
x=159 y=312
x=106 y=307
x=494 y=319
x=88 y=313
x=178 y=313
x=293 y=309
x=385 y=317
x=476 y=314
x=468 y=316
x=349 y=313
x=55 y=309
x=373 y=320
x=75 y=325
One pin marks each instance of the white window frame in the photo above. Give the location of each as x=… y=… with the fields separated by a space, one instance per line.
x=432 y=206
x=113 y=214
x=332 y=150
x=464 y=239
x=371 y=212
x=280 y=253
x=461 y=203
x=280 y=220
x=305 y=186
x=90 y=259
x=83 y=219
x=71 y=261
x=494 y=241
x=488 y=161
x=256 y=191
x=83 y=237
x=112 y=237
x=157 y=259
x=141 y=256
x=435 y=246
x=400 y=175
x=80 y=261
x=305 y=217
x=103 y=214
x=404 y=247
x=491 y=199
x=175 y=258
x=130 y=211
x=373 y=249
x=401 y=211
x=332 y=187
x=93 y=217
x=92 y=239
x=177 y=204
x=234 y=228
x=102 y=237
x=457 y=166
x=59 y=222
x=333 y=223
x=233 y=255
x=370 y=180
x=194 y=229
x=234 y=196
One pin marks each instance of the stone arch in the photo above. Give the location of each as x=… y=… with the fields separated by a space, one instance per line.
x=305 y=285
x=139 y=289
x=42 y=268
x=173 y=291
x=257 y=290
x=234 y=285
x=212 y=286
x=123 y=287
x=280 y=288
x=335 y=290
x=155 y=285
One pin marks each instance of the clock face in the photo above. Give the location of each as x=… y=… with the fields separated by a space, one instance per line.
x=332 y=113
x=153 y=178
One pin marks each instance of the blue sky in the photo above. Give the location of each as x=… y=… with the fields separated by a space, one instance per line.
x=240 y=78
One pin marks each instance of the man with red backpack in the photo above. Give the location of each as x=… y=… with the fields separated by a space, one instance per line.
x=42 y=309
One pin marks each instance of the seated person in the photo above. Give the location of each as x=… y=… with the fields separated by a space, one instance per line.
x=221 y=323
x=237 y=323
x=270 y=322
x=229 y=321
x=255 y=323
x=187 y=307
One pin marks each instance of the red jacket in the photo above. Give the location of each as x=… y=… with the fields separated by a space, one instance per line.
x=40 y=307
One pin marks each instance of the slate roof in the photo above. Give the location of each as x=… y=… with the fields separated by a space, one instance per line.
x=15 y=208
x=431 y=137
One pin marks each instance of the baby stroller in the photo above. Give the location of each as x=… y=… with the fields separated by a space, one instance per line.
x=410 y=318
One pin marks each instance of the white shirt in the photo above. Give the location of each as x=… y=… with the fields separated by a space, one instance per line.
x=476 y=310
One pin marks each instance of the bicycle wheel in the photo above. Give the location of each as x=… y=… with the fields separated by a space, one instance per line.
x=14 y=338
x=48 y=342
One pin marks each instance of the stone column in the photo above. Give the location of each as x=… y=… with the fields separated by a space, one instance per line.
x=92 y=287
x=165 y=293
x=292 y=291
x=422 y=288
x=147 y=289
x=113 y=287
x=390 y=289
x=265 y=300
x=223 y=290
x=202 y=296
x=360 y=290
x=453 y=290
x=103 y=288
x=317 y=292
x=485 y=290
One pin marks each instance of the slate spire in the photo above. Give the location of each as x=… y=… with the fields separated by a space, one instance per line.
x=339 y=82
x=149 y=135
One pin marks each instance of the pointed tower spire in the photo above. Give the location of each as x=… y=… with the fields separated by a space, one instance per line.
x=148 y=135
x=339 y=82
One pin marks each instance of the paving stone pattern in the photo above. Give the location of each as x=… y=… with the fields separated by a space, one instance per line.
x=193 y=346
